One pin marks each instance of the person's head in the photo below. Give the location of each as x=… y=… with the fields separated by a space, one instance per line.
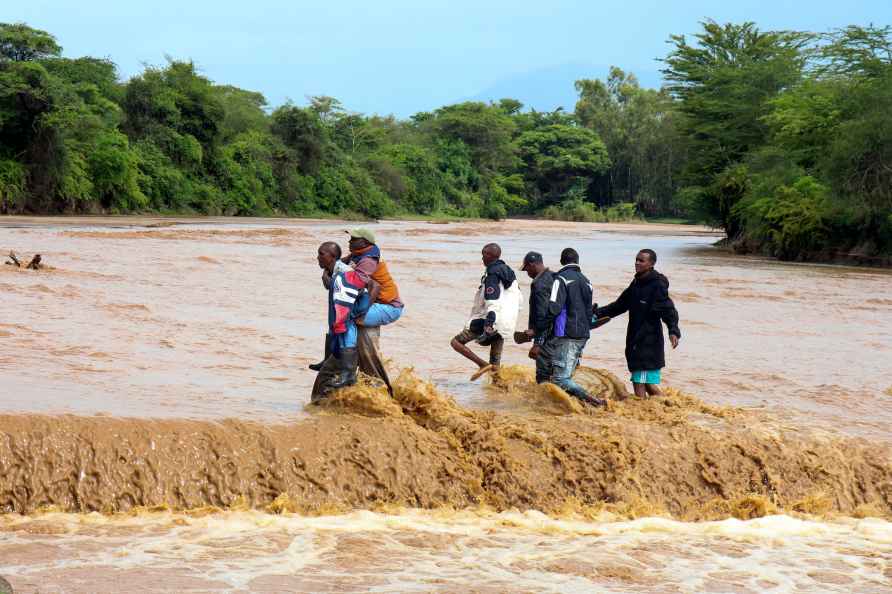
x=328 y=253
x=491 y=252
x=533 y=264
x=360 y=238
x=644 y=261
x=569 y=256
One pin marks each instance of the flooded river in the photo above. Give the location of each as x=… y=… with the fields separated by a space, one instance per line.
x=157 y=373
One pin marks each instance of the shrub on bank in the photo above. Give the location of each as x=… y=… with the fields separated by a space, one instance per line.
x=580 y=211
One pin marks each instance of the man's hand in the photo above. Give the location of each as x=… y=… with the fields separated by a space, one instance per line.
x=534 y=352
x=673 y=339
x=489 y=329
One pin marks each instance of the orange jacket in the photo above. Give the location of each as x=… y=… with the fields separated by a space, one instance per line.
x=360 y=260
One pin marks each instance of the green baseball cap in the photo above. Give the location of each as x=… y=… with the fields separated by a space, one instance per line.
x=363 y=233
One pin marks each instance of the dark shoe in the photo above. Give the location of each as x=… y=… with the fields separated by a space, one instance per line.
x=316 y=366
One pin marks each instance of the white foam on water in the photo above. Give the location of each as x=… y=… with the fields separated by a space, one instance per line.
x=418 y=550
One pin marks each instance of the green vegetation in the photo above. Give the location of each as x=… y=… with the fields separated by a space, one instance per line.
x=782 y=139
x=788 y=138
x=578 y=210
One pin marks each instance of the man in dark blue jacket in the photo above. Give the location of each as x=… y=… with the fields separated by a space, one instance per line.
x=648 y=303
x=539 y=326
x=570 y=315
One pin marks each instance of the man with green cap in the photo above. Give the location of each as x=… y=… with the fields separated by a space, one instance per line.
x=382 y=305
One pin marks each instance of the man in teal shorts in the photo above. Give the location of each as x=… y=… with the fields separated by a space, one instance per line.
x=648 y=303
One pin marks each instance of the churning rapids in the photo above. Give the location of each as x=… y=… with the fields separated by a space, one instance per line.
x=155 y=434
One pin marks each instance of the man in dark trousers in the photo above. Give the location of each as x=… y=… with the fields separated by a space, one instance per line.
x=648 y=303
x=538 y=327
x=344 y=288
x=570 y=315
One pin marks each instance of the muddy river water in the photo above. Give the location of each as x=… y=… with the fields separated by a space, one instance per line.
x=155 y=434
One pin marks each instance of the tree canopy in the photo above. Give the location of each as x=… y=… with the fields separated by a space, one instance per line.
x=781 y=138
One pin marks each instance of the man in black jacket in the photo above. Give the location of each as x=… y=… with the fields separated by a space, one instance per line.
x=648 y=303
x=569 y=315
x=539 y=326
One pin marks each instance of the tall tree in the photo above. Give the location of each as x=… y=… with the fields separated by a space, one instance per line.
x=559 y=157
x=725 y=82
x=638 y=127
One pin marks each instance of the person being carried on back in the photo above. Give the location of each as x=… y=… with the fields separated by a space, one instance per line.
x=569 y=317
x=382 y=304
x=494 y=313
x=648 y=303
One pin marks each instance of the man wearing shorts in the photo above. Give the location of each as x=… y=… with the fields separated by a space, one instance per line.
x=648 y=303
x=494 y=314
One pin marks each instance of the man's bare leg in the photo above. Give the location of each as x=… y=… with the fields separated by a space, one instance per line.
x=653 y=389
x=640 y=390
x=467 y=353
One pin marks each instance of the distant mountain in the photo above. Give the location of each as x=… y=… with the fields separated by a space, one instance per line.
x=548 y=88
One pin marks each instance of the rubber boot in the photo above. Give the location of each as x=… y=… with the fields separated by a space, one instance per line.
x=318 y=366
x=348 y=361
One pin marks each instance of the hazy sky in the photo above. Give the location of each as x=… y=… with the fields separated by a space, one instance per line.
x=404 y=56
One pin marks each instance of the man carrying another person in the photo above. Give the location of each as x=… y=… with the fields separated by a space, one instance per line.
x=378 y=305
x=494 y=313
x=344 y=288
x=648 y=303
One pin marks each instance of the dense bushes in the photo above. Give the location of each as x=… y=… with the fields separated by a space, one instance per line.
x=580 y=211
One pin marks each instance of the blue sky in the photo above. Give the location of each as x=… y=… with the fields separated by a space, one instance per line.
x=400 y=56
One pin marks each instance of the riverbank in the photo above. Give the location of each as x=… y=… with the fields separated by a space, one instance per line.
x=157 y=221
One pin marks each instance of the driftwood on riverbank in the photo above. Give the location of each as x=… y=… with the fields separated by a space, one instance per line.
x=34 y=264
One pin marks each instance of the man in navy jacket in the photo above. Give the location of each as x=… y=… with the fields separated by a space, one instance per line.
x=570 y=315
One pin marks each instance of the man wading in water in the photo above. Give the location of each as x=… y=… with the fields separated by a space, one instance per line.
x=494 y=313
x=648 y=303
x=379 y=305
x=344 y=288
x=539 y=326
x=569 y=316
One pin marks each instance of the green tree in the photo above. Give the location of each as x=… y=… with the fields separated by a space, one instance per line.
x=243 y=111
x=487 y=130
x=725 y=83
x=638 y=126
x=558 y=157
x=302 y=130
x=21 y=43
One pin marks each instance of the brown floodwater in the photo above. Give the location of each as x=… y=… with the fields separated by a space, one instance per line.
x=154 y=364
x=220 y=320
